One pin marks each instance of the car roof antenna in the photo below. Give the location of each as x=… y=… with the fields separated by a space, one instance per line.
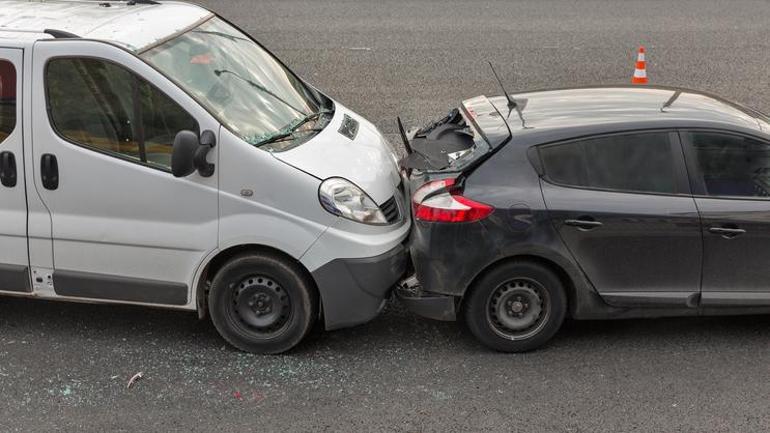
x=511 y=101
x=404 y=138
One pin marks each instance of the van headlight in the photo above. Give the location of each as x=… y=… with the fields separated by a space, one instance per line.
x=343 y=198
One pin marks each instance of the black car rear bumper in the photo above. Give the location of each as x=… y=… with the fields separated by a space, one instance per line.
x=431 y=305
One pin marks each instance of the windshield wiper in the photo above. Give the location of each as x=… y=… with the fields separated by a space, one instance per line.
x=309 y=117
x=282 y=135
x=219 y=72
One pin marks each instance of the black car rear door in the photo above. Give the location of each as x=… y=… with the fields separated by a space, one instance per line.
x=730 y=176
x=622 y=205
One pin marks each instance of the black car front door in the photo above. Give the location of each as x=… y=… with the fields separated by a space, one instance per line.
x=731 y=182
x=621 y=204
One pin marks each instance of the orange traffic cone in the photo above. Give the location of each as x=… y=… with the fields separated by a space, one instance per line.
x=640 y=73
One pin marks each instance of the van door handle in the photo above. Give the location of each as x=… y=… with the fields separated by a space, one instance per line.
x=727 y=232
x=583 y=223
x=49 y=171
x=8 y=169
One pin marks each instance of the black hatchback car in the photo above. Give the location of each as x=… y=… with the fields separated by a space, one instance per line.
x=589 y=203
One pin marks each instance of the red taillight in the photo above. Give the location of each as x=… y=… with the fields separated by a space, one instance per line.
x=440 y=201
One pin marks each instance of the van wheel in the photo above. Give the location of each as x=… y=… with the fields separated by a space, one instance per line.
x=262 y=303
x=516 y=307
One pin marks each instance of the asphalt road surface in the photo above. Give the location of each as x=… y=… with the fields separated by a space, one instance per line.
x=64 y=367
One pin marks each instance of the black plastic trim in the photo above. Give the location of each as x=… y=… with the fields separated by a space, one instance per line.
x=652 y=299
x=14 y=278
x=49 y=171
x=735 y=299
x=8 y=169
x=60 y=34
x=349 y=127
x=354 y=290
x=99 y=286
x=430 y=305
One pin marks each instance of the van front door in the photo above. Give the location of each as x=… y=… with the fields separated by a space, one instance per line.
x=14 y=259
x=123 y=227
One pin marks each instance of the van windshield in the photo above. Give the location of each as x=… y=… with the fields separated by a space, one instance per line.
x=240 y=83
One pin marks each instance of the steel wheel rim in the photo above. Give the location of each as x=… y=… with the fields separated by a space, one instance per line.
x=260 y=305
x=518 y=308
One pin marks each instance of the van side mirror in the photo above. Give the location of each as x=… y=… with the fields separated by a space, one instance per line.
x=189 y=153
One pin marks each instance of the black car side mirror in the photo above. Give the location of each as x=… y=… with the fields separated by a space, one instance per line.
x=189 y=153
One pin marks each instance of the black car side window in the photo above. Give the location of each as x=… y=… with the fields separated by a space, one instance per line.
x=730 y=165
x=639 y=162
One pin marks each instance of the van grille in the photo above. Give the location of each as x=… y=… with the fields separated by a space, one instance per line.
x=390 y=210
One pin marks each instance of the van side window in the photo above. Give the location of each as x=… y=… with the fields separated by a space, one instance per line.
x=7 y=99
x=730 y=165
x=640 y=162
x=105 y=107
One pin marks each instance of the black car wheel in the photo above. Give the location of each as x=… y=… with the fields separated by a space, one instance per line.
x=262 y=303
x=515 y=307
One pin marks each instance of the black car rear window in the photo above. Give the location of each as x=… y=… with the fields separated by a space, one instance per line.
x=639 y=162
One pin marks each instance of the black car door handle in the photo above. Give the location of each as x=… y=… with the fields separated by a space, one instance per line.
x=727 y=232
x=585 y=224
x=8 y=169
x=49 y=171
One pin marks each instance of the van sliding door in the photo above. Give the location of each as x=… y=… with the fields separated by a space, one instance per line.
x=14 y=257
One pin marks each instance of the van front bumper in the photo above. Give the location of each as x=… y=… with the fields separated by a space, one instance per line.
x=353 y=291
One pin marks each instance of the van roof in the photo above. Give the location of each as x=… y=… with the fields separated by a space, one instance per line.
x=134 y=24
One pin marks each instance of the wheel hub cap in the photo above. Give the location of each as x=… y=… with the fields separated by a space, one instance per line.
x=261 y=303
x=516 y=308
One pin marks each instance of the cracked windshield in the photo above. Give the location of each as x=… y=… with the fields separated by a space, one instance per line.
x=239 y=82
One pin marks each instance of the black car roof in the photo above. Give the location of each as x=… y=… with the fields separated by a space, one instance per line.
x=587 y=110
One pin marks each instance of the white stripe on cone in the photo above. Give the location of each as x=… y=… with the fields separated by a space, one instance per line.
x=640 y=73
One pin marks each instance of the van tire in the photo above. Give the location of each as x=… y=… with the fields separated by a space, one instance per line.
x=262 y=303
x=516 y=307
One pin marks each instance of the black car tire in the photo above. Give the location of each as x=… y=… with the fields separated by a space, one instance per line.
x=526 y=286
x=262 y=303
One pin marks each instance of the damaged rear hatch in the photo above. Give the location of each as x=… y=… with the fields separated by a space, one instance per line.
x=459 y=141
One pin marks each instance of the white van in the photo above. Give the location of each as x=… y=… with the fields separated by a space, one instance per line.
x=151 y=153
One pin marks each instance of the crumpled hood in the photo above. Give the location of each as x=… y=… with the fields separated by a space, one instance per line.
x=367 y=160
